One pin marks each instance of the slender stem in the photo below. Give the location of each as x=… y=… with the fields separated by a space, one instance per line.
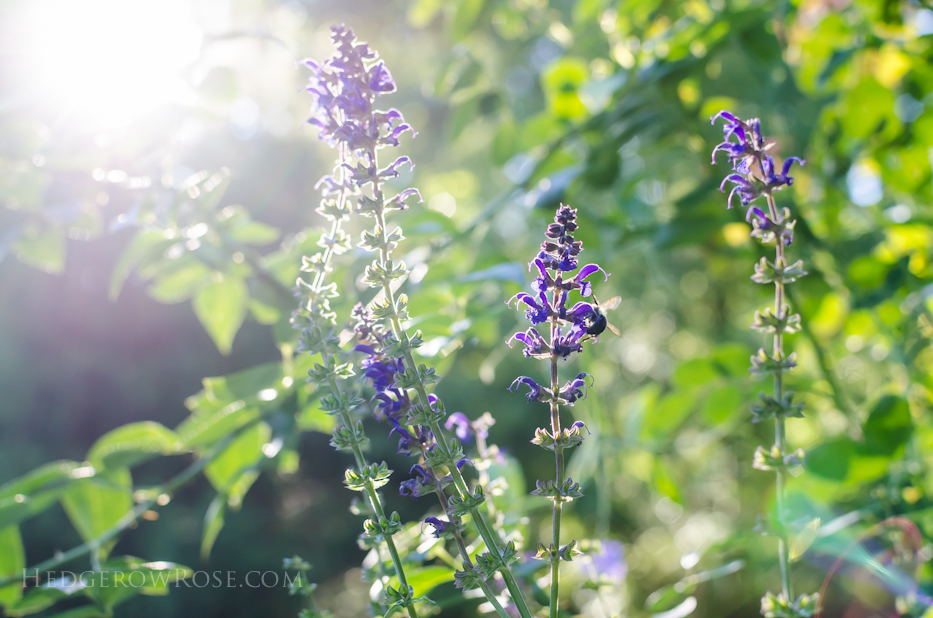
x=465 y=554
x=374 y=498
x=485 y=531
x=779 y=432
x=559 y=464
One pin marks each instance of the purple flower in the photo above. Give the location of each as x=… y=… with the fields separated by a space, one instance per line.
x=778 y=180
x=609 y=561
x=754 y=168
x=344 y=89
x=535 y=390
x=575 y=389
x=535 y=345
x=539 y=309
x=558 y=277
x=464 y=429
x=746 y=190
x=564 y=345
x=380 y=79
x=423 y=482
x=440 y=527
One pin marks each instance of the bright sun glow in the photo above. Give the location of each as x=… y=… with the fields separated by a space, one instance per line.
x=105 y=61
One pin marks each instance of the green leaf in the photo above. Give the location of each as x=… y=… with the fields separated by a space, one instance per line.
x=664 y=481
x=41 y=597
x=263 y=313
x=425 y=579
x=35 y=491
x=722 y=404
x=221 y=308
x=144 y=248
x=181 y=283
x=44 y=250
x=312 y=418
x=696 y=372
x=12 y=564
x=246 y=384
x=868 y=104
x=131 y=444
x=254 y=233
x=888 y=426
x=87 y=611
x=670 y=411
x=831 y=459
x=213 y=524
x=732 y=358
x=868 y=272
x=96 y=503
x=127 y=576
x=233 y=471
x=199 y=430
x=467 y=13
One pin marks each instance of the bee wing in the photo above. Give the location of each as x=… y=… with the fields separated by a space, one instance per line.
x=612 y=303
x=615 y=331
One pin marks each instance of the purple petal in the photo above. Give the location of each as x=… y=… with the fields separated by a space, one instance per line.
x=754 y=212
x=790 y=161
x=588 y=270
x=738 y=179
x=723 y=114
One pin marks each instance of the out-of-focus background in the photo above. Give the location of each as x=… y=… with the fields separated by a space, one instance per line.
x=110 y=110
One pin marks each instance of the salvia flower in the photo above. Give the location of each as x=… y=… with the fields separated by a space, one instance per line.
x=754 y=169
x=559 y=275
x=464 y=429
x=755 y=175
x=422 y=482
x=440 y=527
x=536 y=392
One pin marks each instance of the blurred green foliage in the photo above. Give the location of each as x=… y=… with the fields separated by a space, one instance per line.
x=519 y=104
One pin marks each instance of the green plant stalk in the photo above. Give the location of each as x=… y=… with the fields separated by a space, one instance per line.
x=488 y=536
x=136 y=512
x=465 y=554
x=376 y=503
x=374 y=499
x=779 y=428
x=559 y=464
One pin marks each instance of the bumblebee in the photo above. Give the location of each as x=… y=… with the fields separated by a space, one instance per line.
x=597 y=322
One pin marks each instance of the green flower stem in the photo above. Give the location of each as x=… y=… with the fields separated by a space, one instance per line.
x=559 y=464
x=377 y=507
x=462 y=489
x=465 y=554
x=374 y=498
x=779 y=429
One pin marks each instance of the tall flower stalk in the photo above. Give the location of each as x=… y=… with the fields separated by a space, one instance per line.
x=344 y=88
x=754 y=176
x=569 y=328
